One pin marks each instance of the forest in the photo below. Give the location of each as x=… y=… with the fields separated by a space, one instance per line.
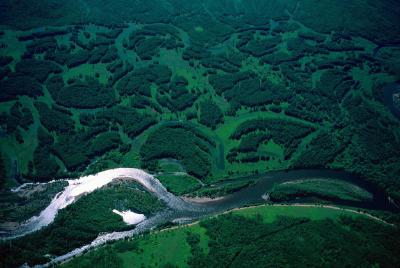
x=181 y=143
x=80 y=223
x=210 y=114
x=236 y=241
x=200 y=94
x=253 y=237
x=133 y=87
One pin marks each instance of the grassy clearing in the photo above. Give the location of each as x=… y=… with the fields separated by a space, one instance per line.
x=170 y=165
x=159 y=249
x=165 y=247
x=271 y=213
x=88 y=70
x=179 y=183
x=321 y=188
x=276 y=161
x=170 y=246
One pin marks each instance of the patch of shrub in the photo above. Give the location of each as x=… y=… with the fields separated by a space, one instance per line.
x=139 y=81
x=257 y=47
x=133 y=122
x=18 y=85
x=286 y=133
x=5 y=60
x=54 y=120
x=77 y=149
x=210 y=114
x=321 y=150
x=39 y=46
x=179 y=143
x=87 y=94
x=176 y=96
x=39 y=69
x=77 y=58
x=46 y=167
x=147 y=41
x=22 y=115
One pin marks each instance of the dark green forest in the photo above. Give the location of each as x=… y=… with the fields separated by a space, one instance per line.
x=79 y=224
x=236 y=242
x=201 y=93
x=316 y=89
x=241 y=241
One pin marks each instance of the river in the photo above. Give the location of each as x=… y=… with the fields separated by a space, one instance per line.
x=388 y=93
x=179 y=210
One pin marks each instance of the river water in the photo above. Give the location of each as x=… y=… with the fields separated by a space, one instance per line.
x=388 y=93
x=179 y=210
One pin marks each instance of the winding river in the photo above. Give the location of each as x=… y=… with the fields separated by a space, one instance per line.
x=179 y=210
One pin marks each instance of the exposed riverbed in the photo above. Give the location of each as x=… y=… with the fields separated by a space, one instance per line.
x=178 y=208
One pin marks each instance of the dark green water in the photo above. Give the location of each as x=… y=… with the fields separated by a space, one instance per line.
x=389 y=91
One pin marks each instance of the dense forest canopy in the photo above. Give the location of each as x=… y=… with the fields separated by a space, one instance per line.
x=355 y=16
x=209 y=95
x=101 y=83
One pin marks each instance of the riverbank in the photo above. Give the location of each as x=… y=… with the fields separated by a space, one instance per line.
x=86 y=185
x=195 y=207
x=329 y=207
x=176 y=237
x=177 y=208
x=201 y=200
x=391 y=98
x=269 y=212
x=362 y=213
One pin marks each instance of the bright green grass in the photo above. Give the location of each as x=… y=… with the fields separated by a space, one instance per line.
x=170 y=165
x=194 y=75
x=15 y=48
x=165 y=247
x=273 y=149
x=169 y=246
x=204 y=239
x=231 y=123
x=132 y=158
x=198 y=29
x=88 y=70
x=270 y=213
x=322 y=188
x=179 y=183
x=160 y=249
